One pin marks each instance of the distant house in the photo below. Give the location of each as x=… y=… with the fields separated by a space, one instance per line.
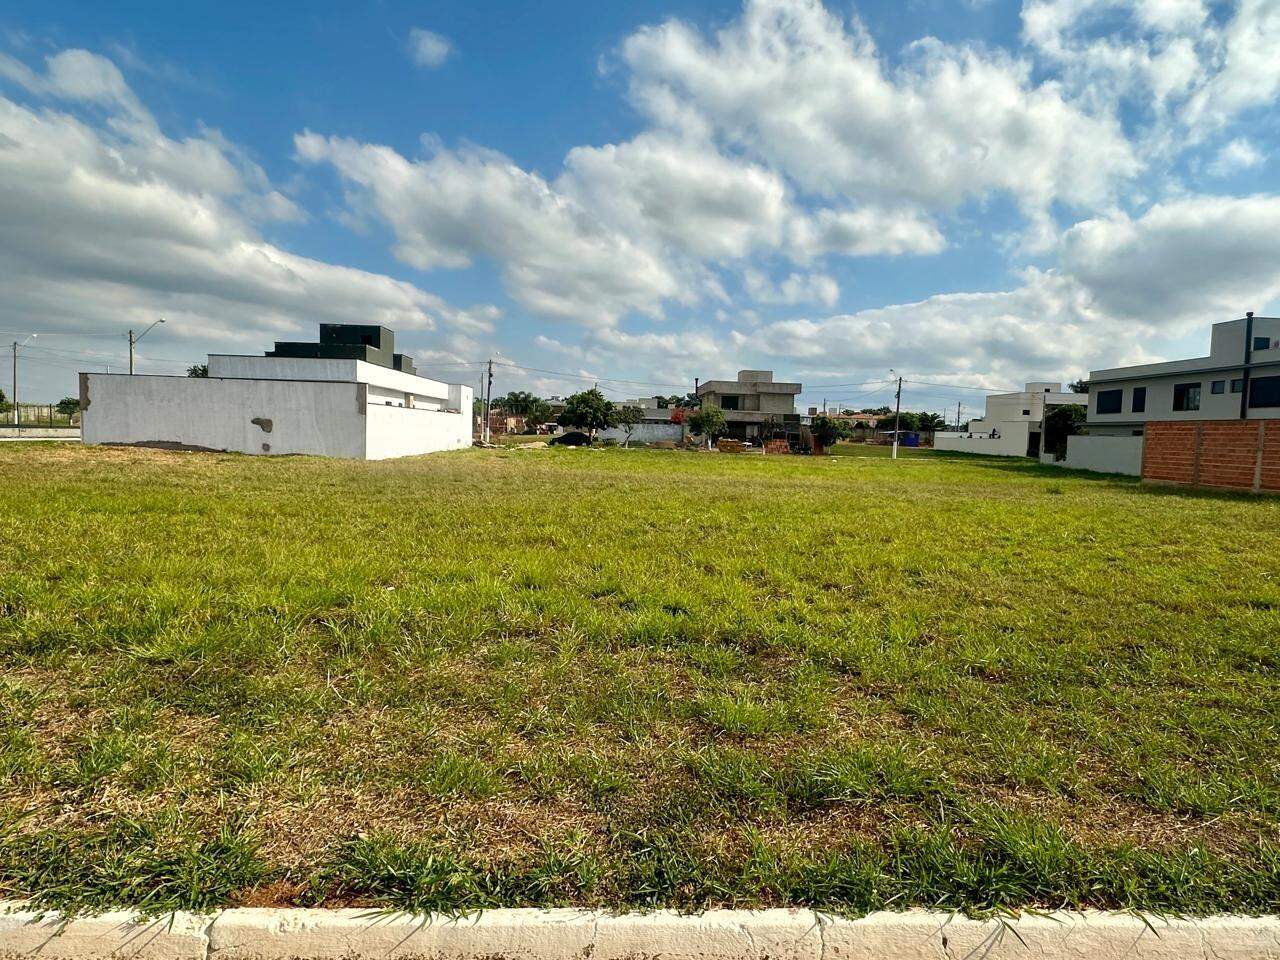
x=349 y=394
x=754 y=404
x=1013 y=423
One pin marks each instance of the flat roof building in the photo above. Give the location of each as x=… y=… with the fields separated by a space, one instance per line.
x=753 y=403
x=347 y=395
x=1238 y=380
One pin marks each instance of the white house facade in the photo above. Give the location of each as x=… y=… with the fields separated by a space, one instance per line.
x=348 y=396
x=1012 y=424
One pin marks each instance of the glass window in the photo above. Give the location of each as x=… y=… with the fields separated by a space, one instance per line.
x=729 y=402
x=1264 y=392
x=1262 y=343
x=1139 y=399
x=1109 y=401
x=1026 y=413
x=1186 y=396
x=1237 y=385
x=1218 y=386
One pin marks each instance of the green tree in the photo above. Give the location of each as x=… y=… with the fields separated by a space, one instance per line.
x=5 y=405
x=588 y=411
x=707 y=422
x=826 y=431
x=628 y=418
x=1079 y=386
x=538 y=413
x=518 y=402
x=907 y=421
x=931 y=421
x=68 y=406
x=198 y=370
x=1061 y=422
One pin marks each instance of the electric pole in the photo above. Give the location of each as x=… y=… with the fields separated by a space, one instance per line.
x=488 y=401
x=897 y=417
x=15 y=383
x=958 y=406
x=133 y=340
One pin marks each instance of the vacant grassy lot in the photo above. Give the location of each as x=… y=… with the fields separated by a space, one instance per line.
x=632 y=678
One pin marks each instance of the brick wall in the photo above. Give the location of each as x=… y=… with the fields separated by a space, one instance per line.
x=1226 y=454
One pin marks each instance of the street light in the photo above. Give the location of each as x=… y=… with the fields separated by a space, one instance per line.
x=16 y=345
x=133 y=340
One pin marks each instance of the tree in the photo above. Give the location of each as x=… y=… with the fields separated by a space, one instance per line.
x=68 y=406
x=198 y=370
x=5 y=405
x=690 y=401
x=588 y=411
x=907 y=422
x=707 y=422
x=1078 y=386
x=931 y=421
x=628 y=418
x=518 y=402
x=1061 y=422
x=826 y=431
x=537 y=414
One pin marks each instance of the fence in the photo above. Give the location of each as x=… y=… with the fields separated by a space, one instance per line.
x=1225 y=454
x=37 y=415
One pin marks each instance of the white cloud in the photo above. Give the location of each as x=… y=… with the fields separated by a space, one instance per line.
x=115 y=224
x=793 y=289
x=428 y=49
x=791 y=84
x=1235 y=156
x=558 y=258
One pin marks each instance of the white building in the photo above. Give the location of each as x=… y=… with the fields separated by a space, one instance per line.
x=349 y=395
x=1239 y=380
x=1013 y=423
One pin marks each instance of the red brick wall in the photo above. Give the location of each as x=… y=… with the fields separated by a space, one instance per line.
x=1169 y=451
x=1213 y=453
x=1271 y=457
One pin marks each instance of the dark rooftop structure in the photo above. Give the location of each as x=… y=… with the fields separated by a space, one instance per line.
x=350 y=341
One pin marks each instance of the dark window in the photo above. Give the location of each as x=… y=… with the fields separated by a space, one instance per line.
x=1237 y=385
x=1218 y=386
x=1110 y=401
x=1186 y=396
x=729 y=403
x=1138 y=432
x=1262 y=343
x=1264 y=392
x=1026 y=413
x=1139 y=399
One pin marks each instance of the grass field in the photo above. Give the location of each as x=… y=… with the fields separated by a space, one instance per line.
x=632 y=678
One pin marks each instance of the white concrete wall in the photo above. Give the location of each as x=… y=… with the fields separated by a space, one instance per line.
x=325 y=418
x=1101 y=454
x=1012 y=441
x=314 y=417
x=404 y=432
x=317 y=368
x=645 y=433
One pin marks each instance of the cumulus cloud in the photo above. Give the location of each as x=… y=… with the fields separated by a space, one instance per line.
x=794 y=288
x=116 y=224
x=1235 y=156
x=428 y=49
x=791 y=83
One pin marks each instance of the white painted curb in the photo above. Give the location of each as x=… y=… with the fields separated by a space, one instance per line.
x=253 y=934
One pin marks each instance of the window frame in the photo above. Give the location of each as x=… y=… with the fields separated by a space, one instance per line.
x=1272 y=383
x=1117 y=394
x=1138 y=400
x=1217 y=387
x=1187 y=392
x=1262 y=343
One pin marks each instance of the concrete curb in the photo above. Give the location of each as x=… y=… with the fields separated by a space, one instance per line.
x=254 y=934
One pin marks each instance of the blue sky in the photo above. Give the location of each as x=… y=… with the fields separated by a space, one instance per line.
x=973 y=193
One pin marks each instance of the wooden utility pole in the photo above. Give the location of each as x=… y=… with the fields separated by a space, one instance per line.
x=897 y=417
x=15 y=383
x=488 y=401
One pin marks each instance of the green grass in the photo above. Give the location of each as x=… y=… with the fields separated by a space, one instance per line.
x=633 y=679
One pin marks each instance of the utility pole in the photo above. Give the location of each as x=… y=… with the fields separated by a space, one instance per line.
x=958 y=405
x=133 y=340
x=897 y=417
x=16 y=345
x=488 y=401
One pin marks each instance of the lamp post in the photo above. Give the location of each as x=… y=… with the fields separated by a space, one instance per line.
x=133 y=340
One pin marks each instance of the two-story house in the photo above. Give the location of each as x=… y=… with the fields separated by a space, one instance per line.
x=1239 y=380
x=754 y=404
